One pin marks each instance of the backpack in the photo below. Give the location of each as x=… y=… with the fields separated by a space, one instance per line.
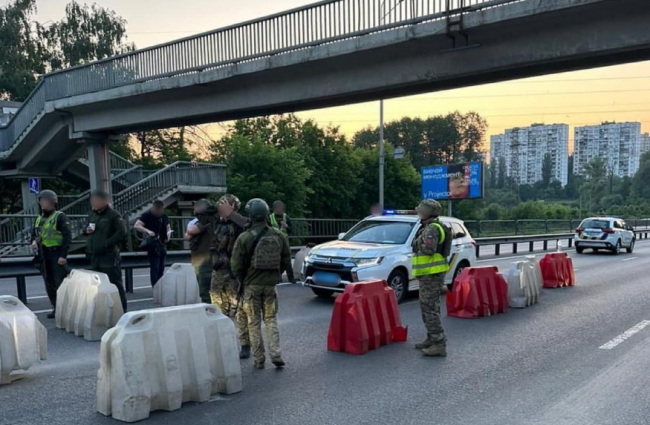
x=268 y=252
x=445 y=248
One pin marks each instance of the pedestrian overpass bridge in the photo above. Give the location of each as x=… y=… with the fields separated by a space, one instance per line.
x=330 y=53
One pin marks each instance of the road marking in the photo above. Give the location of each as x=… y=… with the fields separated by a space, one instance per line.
x=285 y=283
x=575 y=270
x=629 y=259
x=625 y=335
x=36 y=298
x=142 y=287
x=141 y=275
x=129 y=302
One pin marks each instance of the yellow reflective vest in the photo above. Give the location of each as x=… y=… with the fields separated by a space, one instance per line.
x=47 y=234
x=424 y=264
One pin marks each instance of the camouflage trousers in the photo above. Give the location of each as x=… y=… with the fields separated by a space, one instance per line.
x=223 y=292
x=261 y=303
x=431 y=287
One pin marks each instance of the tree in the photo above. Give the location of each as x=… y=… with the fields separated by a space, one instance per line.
x=596 y=180
x=442 y=139
x=158 y=148
x=501 y=175
x=85 y=34
x=260 y=170
x=23 y=53
x=640 y=186
x=334 y=169
x=401 y=184
x=547 y=170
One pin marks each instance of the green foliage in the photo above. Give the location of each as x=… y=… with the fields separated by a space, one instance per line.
x=22 y=50
x=259 y=170
x=85 y=34
x=640 y=182
x=401 y=181
x=436 y=140
x=158 y=148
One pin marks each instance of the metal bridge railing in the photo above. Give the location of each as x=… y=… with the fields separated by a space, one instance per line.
x=319 y=23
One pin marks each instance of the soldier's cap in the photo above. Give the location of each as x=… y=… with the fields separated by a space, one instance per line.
x=99 y=193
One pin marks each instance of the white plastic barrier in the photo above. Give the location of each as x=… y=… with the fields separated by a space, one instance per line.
x=523 y=284
x=299 y=261
x=88 y=304
x=23 y=339
x=532 y=260
x=178 y=286
x=158 y=359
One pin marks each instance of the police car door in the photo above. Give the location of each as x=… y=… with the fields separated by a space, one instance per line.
x=459 y=245
x=626 y=235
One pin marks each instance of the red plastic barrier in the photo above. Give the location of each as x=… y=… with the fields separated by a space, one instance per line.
x=365 y=317
x=557 y=270
x=478 y=292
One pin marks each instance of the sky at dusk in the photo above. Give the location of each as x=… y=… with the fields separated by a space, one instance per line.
x=620 y=93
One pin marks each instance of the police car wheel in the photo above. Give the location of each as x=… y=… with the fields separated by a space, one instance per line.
x=617 y=248
x=322 y=293
x=397 y=281
x=630 y=249
x=580 y=250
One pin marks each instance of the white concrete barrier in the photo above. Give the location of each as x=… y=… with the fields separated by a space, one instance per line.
x=158 y=359
x=88 y=304
x=178 y=286
x=523 y=284
x=23 y=339
x=532 y=260
x=299 y=260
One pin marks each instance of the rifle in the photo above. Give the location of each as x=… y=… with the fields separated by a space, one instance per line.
x=247 y=264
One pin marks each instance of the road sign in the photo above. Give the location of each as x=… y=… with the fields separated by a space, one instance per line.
x=34 y=185
x=399 y=153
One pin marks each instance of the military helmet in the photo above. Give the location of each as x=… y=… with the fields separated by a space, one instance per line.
x=431 y=207
x=48 y=194
x=257 y=209
x=231 y=199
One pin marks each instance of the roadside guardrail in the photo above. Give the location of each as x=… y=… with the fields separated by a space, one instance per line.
x=21 y=267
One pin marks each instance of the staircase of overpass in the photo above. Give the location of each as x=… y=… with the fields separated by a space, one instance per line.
x=134 y=191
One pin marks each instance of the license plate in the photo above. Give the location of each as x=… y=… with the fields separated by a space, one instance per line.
x=328 y=279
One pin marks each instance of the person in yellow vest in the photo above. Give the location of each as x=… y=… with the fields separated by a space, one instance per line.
x=431 y=247
x=279 y=219
x=51 y=236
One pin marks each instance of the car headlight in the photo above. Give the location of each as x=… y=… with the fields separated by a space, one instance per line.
x=363 y=262
x=306 y=259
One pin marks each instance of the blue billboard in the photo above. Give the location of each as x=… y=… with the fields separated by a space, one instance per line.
x=454 y=181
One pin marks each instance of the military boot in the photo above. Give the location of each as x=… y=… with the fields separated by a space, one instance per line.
x=258 y=365
x=424 y=344
x=52 y=314
x=278 y=362
x=435 y=351
x=245 y=352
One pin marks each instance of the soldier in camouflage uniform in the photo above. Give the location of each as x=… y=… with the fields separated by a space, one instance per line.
x=223 y=287
x=259 y=255
x=430 y=267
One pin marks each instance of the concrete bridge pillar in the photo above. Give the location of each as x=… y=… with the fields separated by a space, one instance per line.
x=99 y=167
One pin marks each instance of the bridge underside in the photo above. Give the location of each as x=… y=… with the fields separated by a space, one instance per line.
x=521 y=40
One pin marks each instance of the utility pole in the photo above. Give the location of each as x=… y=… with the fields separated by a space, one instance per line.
x=381 y=153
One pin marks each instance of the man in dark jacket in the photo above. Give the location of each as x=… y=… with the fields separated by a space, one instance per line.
x=51 y=236
x=105 y=233
x=154 y=224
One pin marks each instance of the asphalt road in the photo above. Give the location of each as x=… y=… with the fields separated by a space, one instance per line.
x=539 y=365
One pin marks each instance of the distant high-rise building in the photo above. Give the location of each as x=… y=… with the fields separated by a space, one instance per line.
x=644 y=144
x=524 y=149
x=618 y=144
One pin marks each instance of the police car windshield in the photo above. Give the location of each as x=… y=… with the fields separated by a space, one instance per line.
x=595 y=224
x=383 y=232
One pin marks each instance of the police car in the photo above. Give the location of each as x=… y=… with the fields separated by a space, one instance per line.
x=608 y=233
x=380 y=248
